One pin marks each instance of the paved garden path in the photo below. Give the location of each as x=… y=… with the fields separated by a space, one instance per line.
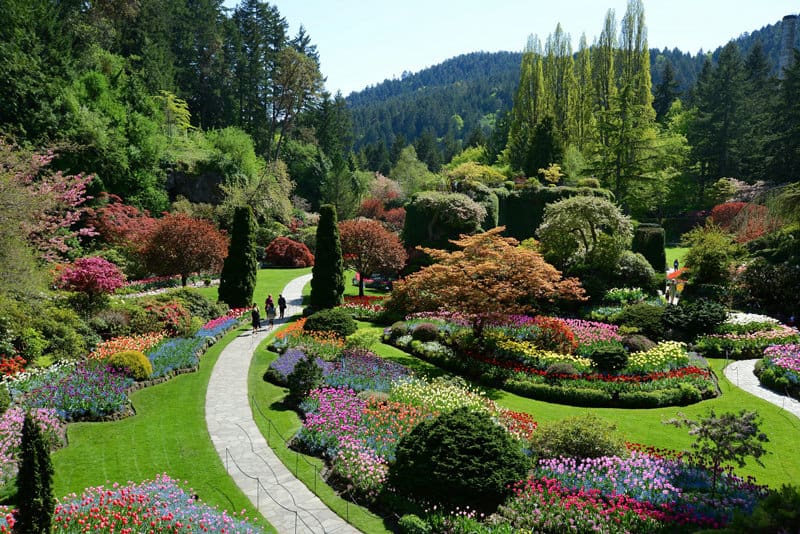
x=740 y=373
x=283 y=500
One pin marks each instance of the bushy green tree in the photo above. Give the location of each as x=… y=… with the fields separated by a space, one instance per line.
x=433 y=219
x=711 y=253
x=34 y=482
x=728 y=438
x=581 y=436
x=464 y=459
x=327 y=282
x=238 y=279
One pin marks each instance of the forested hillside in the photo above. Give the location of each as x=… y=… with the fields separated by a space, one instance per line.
x=478 y=87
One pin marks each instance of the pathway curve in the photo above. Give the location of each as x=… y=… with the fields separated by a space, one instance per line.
x=280 y=497
x=740 y=373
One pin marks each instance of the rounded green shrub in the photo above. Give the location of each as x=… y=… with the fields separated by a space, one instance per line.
x=461 y=458
x=331 y=320
x=561 y=368
x=582 y=436
x=413 y=524
x=134 y=363
x=633 y=269
x=637 y=343
x=425 y=332
x=687 y=320
x=646 y=318
x=609 y=358
x=306 y=376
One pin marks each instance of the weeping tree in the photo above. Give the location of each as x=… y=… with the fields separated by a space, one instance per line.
x=327 y=282
x=238 y=279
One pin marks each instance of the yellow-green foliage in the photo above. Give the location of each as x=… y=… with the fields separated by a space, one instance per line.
x=134 y=363
x=663 y=357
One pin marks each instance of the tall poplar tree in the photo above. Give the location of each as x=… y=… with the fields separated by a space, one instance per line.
x=327 y=281
x=529 y=108
x=559 y=79
x=238 y=279
x=585 y=124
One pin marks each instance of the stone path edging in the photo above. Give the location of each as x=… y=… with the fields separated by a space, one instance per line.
x=740 y=373
x=280 y=497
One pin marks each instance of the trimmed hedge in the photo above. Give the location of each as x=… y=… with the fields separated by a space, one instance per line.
x=649 y=241
x=522 y=210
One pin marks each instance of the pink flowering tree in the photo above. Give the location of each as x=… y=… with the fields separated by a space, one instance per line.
x=92 y=279
x=58 y=201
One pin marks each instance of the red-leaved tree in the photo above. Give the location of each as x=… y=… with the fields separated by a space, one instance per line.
x=93 y=277
x=120 y=224
x=179 y=244
x=368 y=247
x=285 y=252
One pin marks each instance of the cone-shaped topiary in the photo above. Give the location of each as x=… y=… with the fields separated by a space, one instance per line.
x=238 y=279
x=34 y=482
x=327 y=282
x=461 y=458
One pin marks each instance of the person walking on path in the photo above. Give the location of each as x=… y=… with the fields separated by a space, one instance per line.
x=256 y=316
x=281 y=305
x=269 y=302
x=675 y=264
x=271 y=314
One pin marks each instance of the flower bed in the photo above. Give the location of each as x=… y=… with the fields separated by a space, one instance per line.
x=747 y=345
x=52 y=428
x=779 y=369
x=509 y=354
x=137 y=342
x=83 y=391
x=359 y=436
x=364 y=308
x=159 y=505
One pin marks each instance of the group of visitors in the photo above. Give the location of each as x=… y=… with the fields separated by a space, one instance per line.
x=269 y=306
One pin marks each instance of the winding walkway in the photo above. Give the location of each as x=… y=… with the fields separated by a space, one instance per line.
x=280 y=497
x=740 y=373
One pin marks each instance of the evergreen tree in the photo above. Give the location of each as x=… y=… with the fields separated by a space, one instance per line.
x=327 y=282
x=666 y=92
x=760 y=91
x=238 y=279
x=716 y=134
x=785 y=164
x=529 y=108
x=34 y=482
x=428 y=151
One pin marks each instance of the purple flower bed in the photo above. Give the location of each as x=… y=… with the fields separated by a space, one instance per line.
x=658 y=481
x=85 y=391
x=362 y=370
x=280 y=368
x=331 y=413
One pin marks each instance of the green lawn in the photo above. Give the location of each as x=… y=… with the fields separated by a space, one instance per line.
x=167 y=434
x=781 y=465
x=674 y=253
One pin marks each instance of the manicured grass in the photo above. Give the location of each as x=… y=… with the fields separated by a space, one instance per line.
x=279 y=423
x=781 y=464
x=674 y=253
x=167 y=435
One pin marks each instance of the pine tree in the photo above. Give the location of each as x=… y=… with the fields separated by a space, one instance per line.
x=34 y=482
x=666 y=92
x=238 y=279
x=327 y=282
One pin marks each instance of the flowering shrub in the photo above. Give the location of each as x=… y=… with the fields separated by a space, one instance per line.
x=87 y=390
x=176 y=320
x=285 y=252
x=92 y=275
x=159 y=505
x=53 y=431
x=137 y=342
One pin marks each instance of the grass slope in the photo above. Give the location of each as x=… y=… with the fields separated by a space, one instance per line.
x=167 y=434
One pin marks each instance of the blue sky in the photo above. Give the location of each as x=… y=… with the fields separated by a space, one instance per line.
x=364 y=42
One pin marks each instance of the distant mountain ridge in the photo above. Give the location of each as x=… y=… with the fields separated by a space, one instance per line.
x=455 y=97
